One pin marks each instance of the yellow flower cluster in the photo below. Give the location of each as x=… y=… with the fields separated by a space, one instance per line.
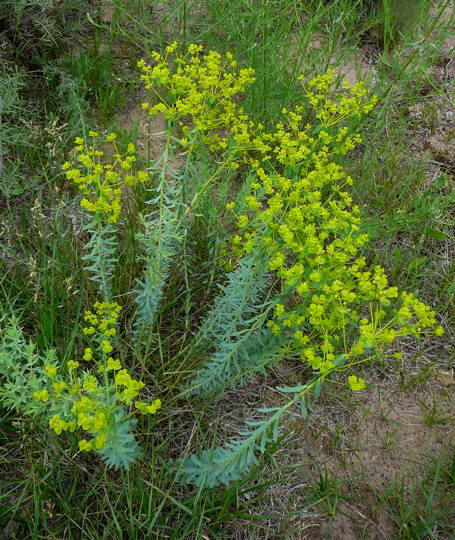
x=101 y=175
x=102 y=321
x=198 y=89
x=350 y=99
x=90 y=402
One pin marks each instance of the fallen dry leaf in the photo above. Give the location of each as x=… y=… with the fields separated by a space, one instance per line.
x=444 y=377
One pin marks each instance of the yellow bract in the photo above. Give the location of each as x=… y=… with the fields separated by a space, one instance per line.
x=72 y=364
x=146 y=408
x=51 y=371
x=356 y=384
x=41 y=395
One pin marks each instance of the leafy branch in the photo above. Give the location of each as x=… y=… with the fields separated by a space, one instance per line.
x=160 y=240
x=101 y=257
x=223 y=465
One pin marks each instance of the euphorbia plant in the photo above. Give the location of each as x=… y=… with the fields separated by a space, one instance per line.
x=299 y=286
